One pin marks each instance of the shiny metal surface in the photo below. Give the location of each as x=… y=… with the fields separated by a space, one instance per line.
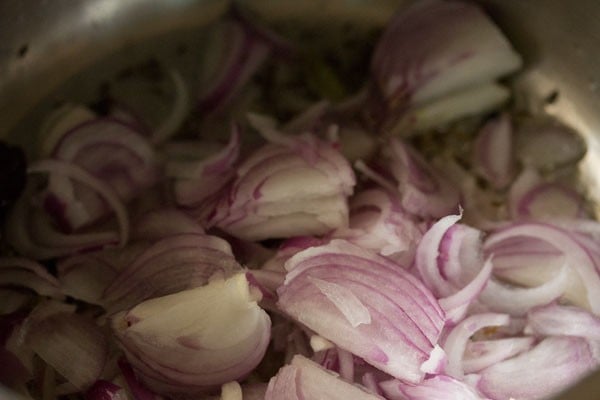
x=46 y=42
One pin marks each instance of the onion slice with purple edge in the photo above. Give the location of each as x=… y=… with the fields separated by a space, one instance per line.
x=195 y=340
x=105 y=390
x=293 y=186
x=434 y=48
x=28 y=274
x=378 y=223
x=137 y=389
x=439 y=387
x=303 y=379
x=457 y=339
x=558 y=320
x=518 y=301
x=449 y=262
x=109 y=150
x=75 y=172
x=30 y=231
x=236 y=54
x=197 y=183
x=71 y=344
x=181 y=106
x=551 y=366
x=493 y=152
x=365 y=304
x=577 y=256
x=484 y=353
x=86 y=276
x=547 y=144
x=170 y=265
x=423 y=189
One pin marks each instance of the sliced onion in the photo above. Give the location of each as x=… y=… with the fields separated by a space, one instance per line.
x=456 y=341
x=180 y=109
x=428 y=256
x=197 y=339
x=518 y=301
x=28 y=274
x=435 y=48
x=456 y=305
x=469 y=102
x=86 y=276
x=231 y=391
x=551 y=200
x=139 y=391
x=306 y=380
x=235 y=54
x=170 y=265
x=105 y=390
x=296 y=187
x=577 y=257
x=547 y=144
x=551 y=366
x=59 y=121
x=72 y=171
x=484 y=353
x=493 y=152
x=557 y=320
x=439 y=387
x=365 y=304
x=197 y=183
x=71 y=344
x=378 y=222
x=32 y=233
x=424 y=190
x=109 y=150
x=449 y=262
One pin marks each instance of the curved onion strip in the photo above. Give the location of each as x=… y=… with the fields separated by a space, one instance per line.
x=517 y=301
x=577 y=256
x=30 y=237
x=18 y=271
x=71 y=344
x=439 y=387
x=139 y=391
x=181 y=105
x=554 y=364
x=305 y=379
x=426 y=259
x=456 y=342
x=397 y=324
x=50 y=166
x=482 y=354
x=557 y=320
x=493 y=154
x=455 y=305
x=242 y=52
x=183 y=343
x=105 y=390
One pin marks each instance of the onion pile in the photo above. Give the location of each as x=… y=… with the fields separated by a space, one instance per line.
x=333 y=255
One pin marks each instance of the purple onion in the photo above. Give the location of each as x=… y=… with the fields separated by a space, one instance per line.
x=432 y=49
x=551 y=366
x=195 y=340
x=304 y=379
x=365 y=304
x=293 y=186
